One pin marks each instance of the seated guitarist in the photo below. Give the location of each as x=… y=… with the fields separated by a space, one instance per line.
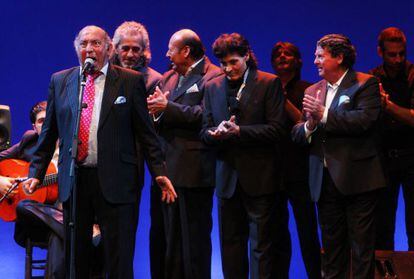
x=25 y=148
x=28 y=225
x=47 y=227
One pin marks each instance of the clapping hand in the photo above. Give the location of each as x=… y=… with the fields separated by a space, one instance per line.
x=313 y=108
x=157 y=102
x=226 y=129
x=385 y=98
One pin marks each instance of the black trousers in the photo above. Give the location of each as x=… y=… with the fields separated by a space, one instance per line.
x=387 y=208
x=157 y=235
x=347 y=224
x=188 y=225
x=117 y=223
x=304 y=211
x=246 y=221
x=282 y=250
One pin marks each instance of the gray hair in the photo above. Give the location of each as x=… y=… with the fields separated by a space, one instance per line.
x=134 y=28
x=76 y=42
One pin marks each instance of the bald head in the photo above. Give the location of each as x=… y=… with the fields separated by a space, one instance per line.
x=91 y=29
x=189 y=38
x=185 y=34
x=93 y=42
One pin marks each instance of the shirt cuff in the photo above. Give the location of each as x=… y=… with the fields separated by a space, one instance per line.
x=325 y=116
x=308 y=133
x=157 y=118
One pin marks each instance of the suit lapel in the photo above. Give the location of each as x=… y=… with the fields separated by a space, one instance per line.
x=110 y=93
x=188 y=82
x=72 y=87
x=220 y=97
x=248 y=90
x=346 y=83
x=195 y=75
x=170 y=84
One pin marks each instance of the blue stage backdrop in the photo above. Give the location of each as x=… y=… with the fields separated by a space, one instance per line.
x=37 y=40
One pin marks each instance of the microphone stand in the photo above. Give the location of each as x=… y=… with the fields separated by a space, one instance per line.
x=73 y=170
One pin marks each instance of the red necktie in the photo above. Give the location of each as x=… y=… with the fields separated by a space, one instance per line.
x=86 y=116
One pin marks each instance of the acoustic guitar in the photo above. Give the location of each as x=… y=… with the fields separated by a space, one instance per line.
x=45 y=193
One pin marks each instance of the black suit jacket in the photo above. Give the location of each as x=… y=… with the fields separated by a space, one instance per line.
x=296 y=156
x=190 y=163
x=349 y=139
x=22 y=150
x=151 y=78
x=252 y=159
x=120 y=127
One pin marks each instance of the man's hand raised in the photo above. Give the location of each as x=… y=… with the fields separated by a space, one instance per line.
x=226 y=129
x=158 y=101
x=313 y=107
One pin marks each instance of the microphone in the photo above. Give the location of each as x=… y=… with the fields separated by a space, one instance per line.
x=88 y=65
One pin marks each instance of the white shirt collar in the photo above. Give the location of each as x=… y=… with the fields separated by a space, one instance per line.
x=338 y=82
x=104 y=69
x=193 y=66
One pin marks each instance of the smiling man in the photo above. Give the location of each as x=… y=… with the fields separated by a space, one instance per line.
x=244 y=119
x=177 y=105
x=132 y=51
x=113 y=122
x=342 y=113
x=396 y=75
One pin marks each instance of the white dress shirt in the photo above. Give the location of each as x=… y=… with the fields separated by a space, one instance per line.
x=99 y=83
x=330 y=95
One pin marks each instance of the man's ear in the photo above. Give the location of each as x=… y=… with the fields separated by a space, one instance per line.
x=114 y=50
x=247 y=57
x=340 y=59
x=110 y=48
x=187 y=51
x=380 y=52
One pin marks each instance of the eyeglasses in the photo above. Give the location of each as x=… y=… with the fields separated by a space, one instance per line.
x=94 y=44
x=128 y=48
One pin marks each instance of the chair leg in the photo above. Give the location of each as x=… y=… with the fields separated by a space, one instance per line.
x=28 y=259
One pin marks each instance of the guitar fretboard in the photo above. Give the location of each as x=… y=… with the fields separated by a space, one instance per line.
x=49 y=180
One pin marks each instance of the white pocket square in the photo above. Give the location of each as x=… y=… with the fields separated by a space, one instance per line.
x=120 y=100
x=344 y=99
x=192 y=89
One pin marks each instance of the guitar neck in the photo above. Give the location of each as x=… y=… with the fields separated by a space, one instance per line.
x=49 y=180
